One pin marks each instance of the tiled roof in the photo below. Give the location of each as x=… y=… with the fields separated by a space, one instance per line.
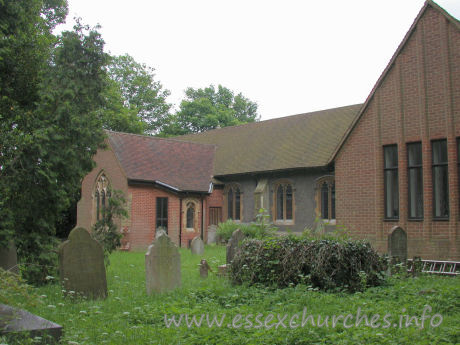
x=298 y=141
x=181 y=166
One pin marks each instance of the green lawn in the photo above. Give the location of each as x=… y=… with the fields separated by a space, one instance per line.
x=129 y=316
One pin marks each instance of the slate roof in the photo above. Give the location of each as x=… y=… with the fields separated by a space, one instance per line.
x=298 y=141
x=177 y=165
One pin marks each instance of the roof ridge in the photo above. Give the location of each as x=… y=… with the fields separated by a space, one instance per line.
x=389 y=65
x=311 y=113
x=145 y=136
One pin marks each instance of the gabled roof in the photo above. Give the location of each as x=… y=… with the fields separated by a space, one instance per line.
x=176 y=165
x=298 y=141
x=401 y=46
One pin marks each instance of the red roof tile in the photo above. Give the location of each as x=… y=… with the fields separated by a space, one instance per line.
x=183 y=166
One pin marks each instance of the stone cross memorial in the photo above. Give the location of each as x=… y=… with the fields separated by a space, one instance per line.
x=197 y=246
x=162 y=265
x=233 y=245
x=81 y=265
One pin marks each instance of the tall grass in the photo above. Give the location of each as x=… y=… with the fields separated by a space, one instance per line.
x=128 y=316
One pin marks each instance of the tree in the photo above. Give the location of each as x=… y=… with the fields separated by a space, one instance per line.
x=141 y=95
x=25 y=46
x=205 y=109
x=52 y=91
x=116 y=116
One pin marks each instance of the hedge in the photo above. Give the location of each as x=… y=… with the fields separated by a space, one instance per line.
x=327 y=264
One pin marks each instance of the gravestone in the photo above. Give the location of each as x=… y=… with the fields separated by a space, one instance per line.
x=14 y=321
x=397 y=244
x=197 y=246
x=233 y=244
x=162 y=265
x=204 y=268
x=9 y=258
x=81 y=265
x=212 y=230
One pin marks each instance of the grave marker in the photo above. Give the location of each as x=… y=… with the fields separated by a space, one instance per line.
x=81 y=265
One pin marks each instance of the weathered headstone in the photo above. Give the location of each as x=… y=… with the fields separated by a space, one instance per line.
x=212 y=230
x=81 y=265
x=233 y=244
x=197 y=246
x=20 y=322
x=9 y=259
x=204 y=268
x=397 y=244
x=162 y=265
x=397 y=249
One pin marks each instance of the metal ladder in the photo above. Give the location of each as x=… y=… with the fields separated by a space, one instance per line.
x=451 y=268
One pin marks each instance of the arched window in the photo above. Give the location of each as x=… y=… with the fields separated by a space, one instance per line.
x=233 y=202
x=101 y=194
x=284 y=202
x=190 y=222
x=325 y=195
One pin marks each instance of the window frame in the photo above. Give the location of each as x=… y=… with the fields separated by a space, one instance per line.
x=418 y=168
x=160 y=203
x=215 y=215
x=444 y=165
x=101 y=195
x=329 y=182
x=190 y=206
x=284 y=186
x=236 y=200
x=385 y=196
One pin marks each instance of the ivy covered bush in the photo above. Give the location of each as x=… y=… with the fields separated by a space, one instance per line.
x=327 y=264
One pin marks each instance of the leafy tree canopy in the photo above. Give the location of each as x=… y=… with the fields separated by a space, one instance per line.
x=137 y=96
x=208 y=108
x=52 y=90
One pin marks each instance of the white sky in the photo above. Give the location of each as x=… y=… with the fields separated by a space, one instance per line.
x=289 y=56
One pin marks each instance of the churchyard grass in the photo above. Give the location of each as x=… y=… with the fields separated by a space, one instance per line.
x=130 y=316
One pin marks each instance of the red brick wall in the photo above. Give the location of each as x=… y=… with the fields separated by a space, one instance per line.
x=143 y=216
x=107 y=163
x=139 y=228
x=418 y=100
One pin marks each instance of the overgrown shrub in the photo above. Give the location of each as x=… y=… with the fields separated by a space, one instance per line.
x=105 y=231
x=15 y=292
x=322 y=263
x=261 y=228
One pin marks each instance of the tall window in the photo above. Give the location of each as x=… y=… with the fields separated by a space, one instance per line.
x=390 y=172
x=102 y=194
x=440 y=179
x=162 y=213
x=234 y=203
x=284 y=202
x=326 y=198
x=190 y=215
x=415 y=179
